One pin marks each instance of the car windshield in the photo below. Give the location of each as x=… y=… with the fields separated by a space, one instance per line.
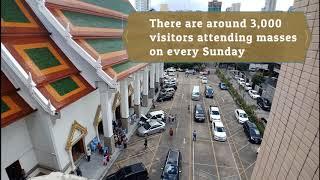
x=170 y=169
x=215 y=112
x=148 y=115
x=255 y=132
x=254 y=92
x=196 y=93
x=199 y=111
x=210 y=90
x=267 y=102
x=220 y=129
x=146 y=126
x=243 y=115
x=204 y=78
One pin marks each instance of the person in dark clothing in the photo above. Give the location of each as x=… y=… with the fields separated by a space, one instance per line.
x=23 y=174
x=78 y=170
x=145 y=143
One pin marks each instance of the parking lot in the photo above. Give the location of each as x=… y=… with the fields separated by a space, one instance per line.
x=201 y=159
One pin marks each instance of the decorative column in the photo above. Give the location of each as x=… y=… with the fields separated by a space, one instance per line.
x=137 y=91
x=157 y=84
x=107 y=115
x=145 y=83
x=152 y=78
x=124 y=104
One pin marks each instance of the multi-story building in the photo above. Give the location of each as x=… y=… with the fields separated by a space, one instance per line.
x=214 y=6
x=142 y=5
x=235 y=7
x=65 y=78
x=270 y=5
x=290 y=147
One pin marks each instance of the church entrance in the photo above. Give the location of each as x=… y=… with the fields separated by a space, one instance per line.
x=100 y=128
x=14 y=171
x=78 y=150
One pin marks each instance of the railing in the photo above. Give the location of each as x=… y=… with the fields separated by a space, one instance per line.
x=27 y=80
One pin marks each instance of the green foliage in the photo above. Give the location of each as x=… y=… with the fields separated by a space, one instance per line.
x=64 y=86
x=258 y=79
x=249 y=109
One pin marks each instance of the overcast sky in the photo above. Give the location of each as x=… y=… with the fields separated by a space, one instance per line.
x=246 y=5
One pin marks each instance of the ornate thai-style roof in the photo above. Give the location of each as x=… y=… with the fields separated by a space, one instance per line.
x=97 y=27
x=13 y=106
x=30 y=44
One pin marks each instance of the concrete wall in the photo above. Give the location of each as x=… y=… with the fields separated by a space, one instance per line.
x=83 y=111
x=16 y=145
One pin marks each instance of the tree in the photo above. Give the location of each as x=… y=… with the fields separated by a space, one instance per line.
x=257 y=79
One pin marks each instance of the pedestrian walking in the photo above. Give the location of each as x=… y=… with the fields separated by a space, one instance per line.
x=194 y=135
x=125 y=143
x=145 y=143
x=105 y=160
x=88 y=154
x=171 y=131
x=78 y=171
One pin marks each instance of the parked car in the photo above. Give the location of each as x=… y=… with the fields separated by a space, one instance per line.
x=223 y=86
x=252 y=132
x=170 y=81
x=241 y=81
x=167 y=91
x=154 y=115
x=214 y=113
x=190 y=71
x=253 y=94
x=180 y=70
x=165 y=97
x=134 y=171
x=172 y=166
x=199 y=115
x=170 y=86
x=264 y=103
x=208 y=92
x=204 y=80
x=247 y=86
x=236 y=77
x=151 y=127
x=219 y=133
x=241 y=115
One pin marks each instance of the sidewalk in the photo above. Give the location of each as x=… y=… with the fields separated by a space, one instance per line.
x=95 y=169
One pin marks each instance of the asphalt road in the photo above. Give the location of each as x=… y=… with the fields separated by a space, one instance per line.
x=202 y=159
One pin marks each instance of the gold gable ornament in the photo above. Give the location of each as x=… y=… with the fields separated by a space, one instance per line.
x=75 y=126
x=97 y=118
x=116 y=101
x=130 y=89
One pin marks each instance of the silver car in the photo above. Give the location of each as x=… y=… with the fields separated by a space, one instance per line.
x=151 y=127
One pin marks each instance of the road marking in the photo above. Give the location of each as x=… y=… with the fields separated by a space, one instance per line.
x=222 y=99
x=222 y=117
x=210 y=134
x=184 y=141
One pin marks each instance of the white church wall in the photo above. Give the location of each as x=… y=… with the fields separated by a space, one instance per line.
x=16 y=145
x=83 y=111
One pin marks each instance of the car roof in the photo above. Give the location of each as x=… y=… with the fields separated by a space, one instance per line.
x=173 y=157
x=199 y=106
x=214 y=108
x=240 y=111
x=253 y=90
x=241 y=79
x=156 y=112
x=154 y=122
x=218 y=123
x=251 y=124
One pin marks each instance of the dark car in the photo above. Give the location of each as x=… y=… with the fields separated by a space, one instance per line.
x=252 y=132
x=223 y=86
x=171 y=169
x=264 y=103
x=199 y=114
x=208 y=92
x=164 y=97
x=133 y=172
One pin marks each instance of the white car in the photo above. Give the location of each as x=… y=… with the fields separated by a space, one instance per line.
x=236 y=77
x=241 y=81
x=253 y=94
x=214 y=113
x=241 y=115
x=247 y=86
x=151 y=127
x=204 y=80
x=219 y=133
x=154 y=115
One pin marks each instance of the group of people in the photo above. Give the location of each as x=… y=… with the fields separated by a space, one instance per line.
x=120 y=138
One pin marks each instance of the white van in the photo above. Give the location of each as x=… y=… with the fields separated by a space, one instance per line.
x=196 y=93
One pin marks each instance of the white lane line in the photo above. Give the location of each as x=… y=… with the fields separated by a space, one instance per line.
x=210 y=134
x=234 y=159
